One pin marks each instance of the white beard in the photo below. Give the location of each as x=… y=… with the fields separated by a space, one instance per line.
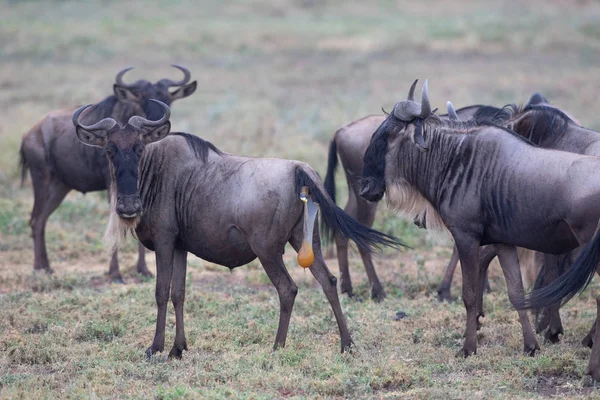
x=410 y=204
x=117 y=227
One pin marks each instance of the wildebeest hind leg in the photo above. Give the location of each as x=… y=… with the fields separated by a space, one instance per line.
x=287 y=290
x=178 y=298
x=327 y=281
x=164 y=249
x=514 y=284
x=593 y=367
x=49 y=192
x=366 y=216
x=342 y=248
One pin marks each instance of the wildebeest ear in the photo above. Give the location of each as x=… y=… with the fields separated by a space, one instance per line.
x=124 y=94
x=96 y=139
x=184 y=91
x=157 y=133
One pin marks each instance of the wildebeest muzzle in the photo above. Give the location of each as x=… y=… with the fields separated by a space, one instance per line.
x=129 y=206
x=371 y=189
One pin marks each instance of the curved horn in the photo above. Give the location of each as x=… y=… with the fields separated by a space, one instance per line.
x=425 y=106
x=406 y=110
x=187 y=75
x=105 y=124
x=411 y=91
x=119 y=78
x=141 y=122
x=452 y=112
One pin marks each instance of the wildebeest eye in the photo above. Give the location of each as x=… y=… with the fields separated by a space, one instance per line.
x=111 y=150
x=139 y=149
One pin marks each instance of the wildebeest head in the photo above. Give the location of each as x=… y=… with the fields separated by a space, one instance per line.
x=124 y=147
x=142 y=91
x=404 y=122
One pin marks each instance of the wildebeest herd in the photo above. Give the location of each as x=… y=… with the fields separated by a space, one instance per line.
x=513 y=182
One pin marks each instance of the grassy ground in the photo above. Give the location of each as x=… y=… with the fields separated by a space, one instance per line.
x=275 y=79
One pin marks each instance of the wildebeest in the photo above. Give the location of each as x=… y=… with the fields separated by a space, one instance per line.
x=486 y=185
x=350 y=143
x=549 y=127
x=182 y=194
x=58 y=162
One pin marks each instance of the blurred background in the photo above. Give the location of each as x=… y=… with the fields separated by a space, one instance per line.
x=275 y=79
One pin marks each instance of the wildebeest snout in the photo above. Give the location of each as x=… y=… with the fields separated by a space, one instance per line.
x=129 y=206
x=371 y=190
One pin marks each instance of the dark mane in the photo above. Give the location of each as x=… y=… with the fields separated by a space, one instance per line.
x=200 y=146
x=473 y=125
x=495 y=115
x=103 y=109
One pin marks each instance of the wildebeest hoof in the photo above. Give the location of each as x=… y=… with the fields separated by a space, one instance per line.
x=588 y=341
x=553 y=335
x=177 y=351
x=594 y=372
x=44 y=269
x=143 y=271
x=348 y=347
x=378 y=295
x=530 y=349
x=400 y=315
x=444 y=295
x=152 y=350
x=465 y=352
x=347 y=291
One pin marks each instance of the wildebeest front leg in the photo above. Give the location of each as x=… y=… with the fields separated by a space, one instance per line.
x=142 y=267
x=468 y=251
x=593 y=367
x=486 y=255
x=113 y=270
x=366 y=216
x=164 y=272
x=588 y=340
x=178 y=298
x=342 y=255
x=514 y=284
x=443 y=290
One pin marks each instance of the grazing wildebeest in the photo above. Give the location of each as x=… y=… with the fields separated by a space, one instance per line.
x=350 y=143
x=486 y=185
x=59 y=162
x=182 y=194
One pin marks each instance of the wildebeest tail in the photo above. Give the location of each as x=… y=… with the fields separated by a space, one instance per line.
x=336 y=220
x=567 y=285
x=332 y=161
x=23 y=165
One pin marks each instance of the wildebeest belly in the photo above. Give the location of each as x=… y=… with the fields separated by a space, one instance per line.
x=225 y=246
x=554 y=238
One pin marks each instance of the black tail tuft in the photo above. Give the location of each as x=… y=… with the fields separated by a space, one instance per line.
x=569 y=284
x=23 y=166
x=335 y=220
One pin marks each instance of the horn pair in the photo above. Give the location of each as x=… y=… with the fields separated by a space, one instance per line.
x=136 y=121
x=167 y=82
x=409 y=109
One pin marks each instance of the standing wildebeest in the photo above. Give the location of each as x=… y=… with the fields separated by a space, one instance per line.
x=548 y=127
x=486 y=185
x=182 y=194
x=59 y=162
x=350 y=142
